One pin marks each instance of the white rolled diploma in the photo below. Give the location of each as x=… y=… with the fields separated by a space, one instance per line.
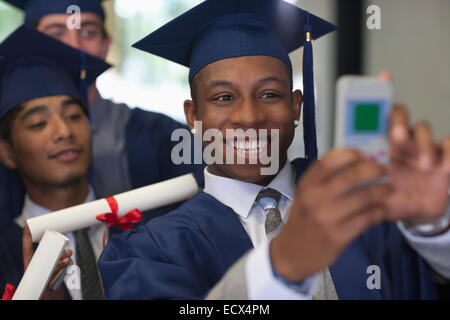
x=41 y=267
x=84 y=215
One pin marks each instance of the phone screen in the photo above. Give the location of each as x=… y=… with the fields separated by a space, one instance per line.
x=366 y=118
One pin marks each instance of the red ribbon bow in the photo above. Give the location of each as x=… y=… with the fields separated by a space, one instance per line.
x=112 y=219
x=9 y=292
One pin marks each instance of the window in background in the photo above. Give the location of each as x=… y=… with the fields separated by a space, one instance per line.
x=140 y=79
x=10 y=19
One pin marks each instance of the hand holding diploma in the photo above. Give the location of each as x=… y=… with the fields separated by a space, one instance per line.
x=28 y=252
x=43 y=267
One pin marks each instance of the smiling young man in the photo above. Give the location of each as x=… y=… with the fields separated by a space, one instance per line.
x=40 y=162
x=131 y=147
x=45 y=137
x=314 y=228
x=263 y=86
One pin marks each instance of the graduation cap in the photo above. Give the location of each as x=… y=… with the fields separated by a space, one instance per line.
x=218 y=29
x=36 y=9
x=36 y=66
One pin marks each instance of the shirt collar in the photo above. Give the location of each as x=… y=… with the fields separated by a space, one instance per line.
x=240 y=196
x=31 y=209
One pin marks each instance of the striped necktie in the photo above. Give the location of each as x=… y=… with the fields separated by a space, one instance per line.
x=268 y=199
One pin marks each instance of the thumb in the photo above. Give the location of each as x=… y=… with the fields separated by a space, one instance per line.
x=27 y=246
x=386 y=75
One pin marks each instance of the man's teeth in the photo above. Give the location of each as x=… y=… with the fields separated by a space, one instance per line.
x=68 y=153
x=250 y=146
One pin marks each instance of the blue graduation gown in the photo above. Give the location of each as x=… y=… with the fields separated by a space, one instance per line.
x=148 y=152
x=185 y=253
x=11 y=265
x=12 y=193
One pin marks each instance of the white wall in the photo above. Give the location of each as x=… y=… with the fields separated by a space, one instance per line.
x=414 y=44
x=324 y=75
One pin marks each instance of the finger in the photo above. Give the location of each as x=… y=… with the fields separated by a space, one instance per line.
x=370 y=217
x=60 y=269
x=62 y=264
x=67 y=254
x=64 y=260
x=58 y=275
x=445 y=158
x=353 y=177
x=27 y=246
x=386 y=75
x=399 y=135
x=333 y=161
x=399 y=124
x=55 y=282
x=360 y=201
x=426 y=151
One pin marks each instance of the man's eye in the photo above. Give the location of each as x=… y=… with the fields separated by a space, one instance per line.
x=270 y=95
x=38 y=126
x=57 y=35
x=226 y=97
x=74 y=117
x=86 y=33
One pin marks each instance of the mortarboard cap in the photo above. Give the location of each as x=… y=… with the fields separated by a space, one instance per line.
x=36 y=66
x=36 y=9
x=218 y=29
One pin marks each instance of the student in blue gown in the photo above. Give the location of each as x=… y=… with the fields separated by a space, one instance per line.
x=45 y=137
x=341 y=236
x=131 y=147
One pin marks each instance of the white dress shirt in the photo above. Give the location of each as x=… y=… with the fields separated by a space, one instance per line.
x=95 y=233
x=240 y=196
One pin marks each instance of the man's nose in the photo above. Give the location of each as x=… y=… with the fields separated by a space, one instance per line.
x=61 y=130
x=248 y=113
x=72 y=38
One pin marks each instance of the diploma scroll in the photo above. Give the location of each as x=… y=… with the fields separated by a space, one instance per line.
x=145 y=198
x=41 y=267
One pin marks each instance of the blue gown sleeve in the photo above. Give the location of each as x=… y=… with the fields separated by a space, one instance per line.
x=12 y=194
x=410 y=274
x=11 y=262
x=147 y=264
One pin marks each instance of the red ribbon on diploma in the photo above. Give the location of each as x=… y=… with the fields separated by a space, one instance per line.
x=112 y=219
x=9 y=292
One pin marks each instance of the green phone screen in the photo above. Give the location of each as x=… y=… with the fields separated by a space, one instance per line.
x=366 y=117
